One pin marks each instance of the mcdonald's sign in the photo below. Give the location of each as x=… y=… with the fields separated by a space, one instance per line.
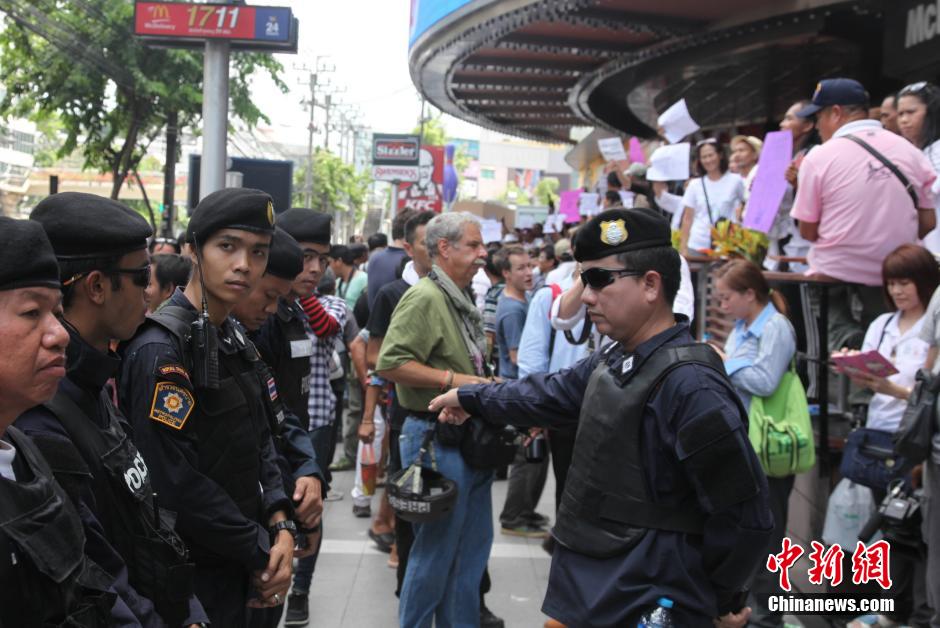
x=181 y=22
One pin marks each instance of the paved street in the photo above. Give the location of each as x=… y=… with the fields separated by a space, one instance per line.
x=354 y=588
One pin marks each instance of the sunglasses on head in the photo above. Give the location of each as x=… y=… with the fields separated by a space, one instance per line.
x=598 y=278
x=709 y=140
x=913 y=88
x=140 y=277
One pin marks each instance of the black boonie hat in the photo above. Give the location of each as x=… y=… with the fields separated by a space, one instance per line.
x=306 y=225
x=87 y=226
x=620 y=231
x=285 y=258
x=26 y=256
x=232 y=208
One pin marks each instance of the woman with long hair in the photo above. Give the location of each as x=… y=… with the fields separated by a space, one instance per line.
x=714 y=196
x=919 y=123
x=757 y=354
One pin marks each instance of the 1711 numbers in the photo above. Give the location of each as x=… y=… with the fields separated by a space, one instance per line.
x=204 y=13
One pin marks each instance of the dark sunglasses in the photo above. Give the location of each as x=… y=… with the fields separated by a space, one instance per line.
x=139 y=276
x=599 y=278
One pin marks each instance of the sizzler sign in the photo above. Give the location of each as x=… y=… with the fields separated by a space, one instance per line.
x=395 y=150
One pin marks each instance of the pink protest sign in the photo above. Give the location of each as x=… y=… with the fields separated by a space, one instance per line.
x=568 y=205
x=770 y=184
x=636 y=152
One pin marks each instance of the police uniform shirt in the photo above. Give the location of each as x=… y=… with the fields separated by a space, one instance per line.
x=155 y=391
x=88 y=370
x=698 y=576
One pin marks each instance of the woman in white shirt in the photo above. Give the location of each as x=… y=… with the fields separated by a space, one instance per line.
x=714 y=196
x=910 y=276
x=919 y=122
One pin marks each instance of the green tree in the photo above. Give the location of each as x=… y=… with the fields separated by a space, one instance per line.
x=547 y=189
x=336 y=185
x=434 y=132
x=78 y=61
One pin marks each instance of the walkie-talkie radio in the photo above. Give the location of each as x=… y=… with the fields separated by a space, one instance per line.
x=204 y=338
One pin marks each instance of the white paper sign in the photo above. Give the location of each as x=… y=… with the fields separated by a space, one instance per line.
x=589 y=204
x=677 y=123
x=492 y=230
x=627 y=198
x=670 y=163
x=612 y=149
x=525 y=221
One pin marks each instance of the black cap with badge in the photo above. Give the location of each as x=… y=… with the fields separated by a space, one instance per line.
x=245 y=209
x=306 y=225
x=86 y=226
x=620 y=231
x=26 y=256
x=285 y=258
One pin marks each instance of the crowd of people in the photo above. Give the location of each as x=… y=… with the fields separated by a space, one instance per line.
x=172 y=411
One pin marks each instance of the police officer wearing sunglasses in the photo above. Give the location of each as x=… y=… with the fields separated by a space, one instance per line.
x=664 y=497
x=101 y=248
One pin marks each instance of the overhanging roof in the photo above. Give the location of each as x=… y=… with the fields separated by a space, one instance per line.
x=538 y=68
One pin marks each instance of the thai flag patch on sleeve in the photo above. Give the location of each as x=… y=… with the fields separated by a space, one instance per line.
x=272 y=389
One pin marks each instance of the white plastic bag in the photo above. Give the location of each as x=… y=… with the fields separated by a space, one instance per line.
x=850 y=507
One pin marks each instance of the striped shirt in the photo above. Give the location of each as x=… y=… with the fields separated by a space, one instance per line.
x=322 y=401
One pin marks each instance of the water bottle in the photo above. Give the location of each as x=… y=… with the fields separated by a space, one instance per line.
x=659 y=617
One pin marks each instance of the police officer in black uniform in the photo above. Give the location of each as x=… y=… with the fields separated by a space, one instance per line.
x=279 y=332
x=665 y=496
x=190 y=386
x=101 y=247
x=45 y=577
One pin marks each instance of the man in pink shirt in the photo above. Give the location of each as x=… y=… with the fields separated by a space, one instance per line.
x=853 y=208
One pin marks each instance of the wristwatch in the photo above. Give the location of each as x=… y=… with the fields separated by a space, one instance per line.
x=287 y=524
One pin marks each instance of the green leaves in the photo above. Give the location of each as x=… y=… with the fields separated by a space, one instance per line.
x=78 y=61
x=336 y=184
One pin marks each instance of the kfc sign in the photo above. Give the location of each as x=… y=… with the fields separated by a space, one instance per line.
x=425 y=194
x=395 y=150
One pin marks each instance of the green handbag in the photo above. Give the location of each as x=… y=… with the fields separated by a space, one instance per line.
x=780 y=429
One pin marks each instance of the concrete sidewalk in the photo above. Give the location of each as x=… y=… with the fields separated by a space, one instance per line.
x=354 y=588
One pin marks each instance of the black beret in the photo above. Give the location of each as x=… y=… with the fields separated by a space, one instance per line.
x=26 y=256
x=306 y=225
x=620 y=231
x=232 y=208
x=286 y=258
x=83 y=226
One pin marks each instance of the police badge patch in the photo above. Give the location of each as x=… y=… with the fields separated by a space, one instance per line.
x=172 y=405
x=613 y=232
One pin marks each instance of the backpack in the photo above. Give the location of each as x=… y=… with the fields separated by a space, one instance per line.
x=780 y=431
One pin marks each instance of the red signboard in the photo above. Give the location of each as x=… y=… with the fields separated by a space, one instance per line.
x=178 y=20
x=425 y=194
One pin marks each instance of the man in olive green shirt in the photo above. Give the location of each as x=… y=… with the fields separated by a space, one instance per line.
x=436 y=342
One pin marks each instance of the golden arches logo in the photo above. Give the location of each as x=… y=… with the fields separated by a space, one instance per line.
x=160 y=12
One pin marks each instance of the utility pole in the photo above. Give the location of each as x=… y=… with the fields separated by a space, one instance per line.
x=327 y=102
x=313 y=83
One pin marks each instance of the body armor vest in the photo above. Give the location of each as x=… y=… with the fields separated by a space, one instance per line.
x=292 y=365
x=228 y=420
x=45 y=579
x=142 y=533
x=605 y=507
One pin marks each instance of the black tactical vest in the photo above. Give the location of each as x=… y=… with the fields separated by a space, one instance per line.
x=292 y=365
x=605 y=507
x=157 y=559
x=227 y=421
x=45 y=579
